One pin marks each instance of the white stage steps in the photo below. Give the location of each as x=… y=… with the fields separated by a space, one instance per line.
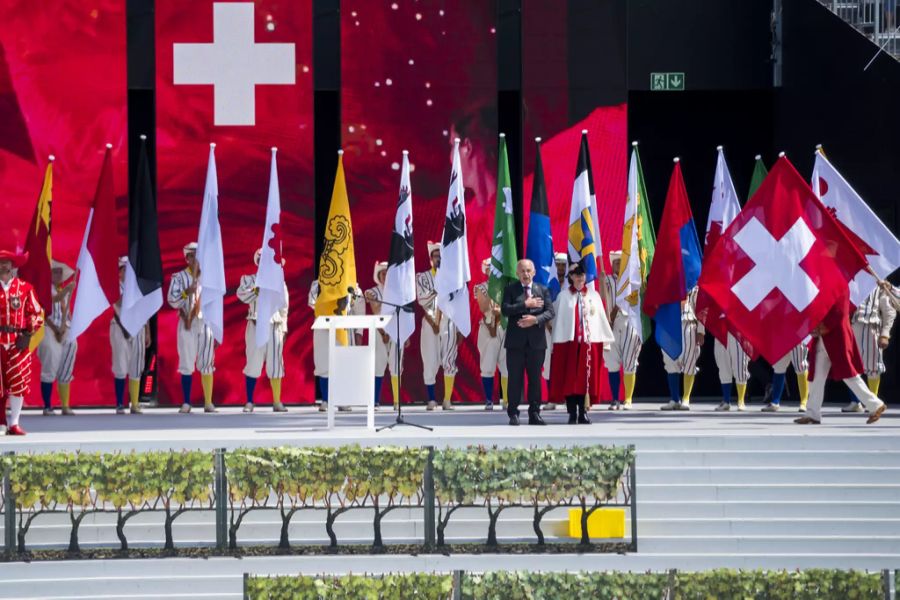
x=786 y=501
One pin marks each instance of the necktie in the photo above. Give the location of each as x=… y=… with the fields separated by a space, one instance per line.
x=527 y=291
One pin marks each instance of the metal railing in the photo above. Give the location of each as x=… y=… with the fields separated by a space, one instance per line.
x=879 y=20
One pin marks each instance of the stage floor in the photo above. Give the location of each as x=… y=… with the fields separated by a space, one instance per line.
x=102 y=429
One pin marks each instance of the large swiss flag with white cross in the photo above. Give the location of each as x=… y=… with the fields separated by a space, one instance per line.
x=779 y=267
x=238 y=74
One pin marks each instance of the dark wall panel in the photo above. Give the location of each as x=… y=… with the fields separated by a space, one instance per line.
x=718 y=44
x=690 y=125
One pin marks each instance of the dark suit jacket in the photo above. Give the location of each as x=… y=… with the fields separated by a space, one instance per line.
x=513 y=308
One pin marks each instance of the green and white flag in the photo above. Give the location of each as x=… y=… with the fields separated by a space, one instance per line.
x=638 y=247
x=503 y=247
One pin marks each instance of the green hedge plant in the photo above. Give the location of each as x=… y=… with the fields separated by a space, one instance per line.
x=542 y=478
x=414 y=586
x=290 y=479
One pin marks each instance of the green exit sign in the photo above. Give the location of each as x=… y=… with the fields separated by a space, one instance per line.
x=667 y=82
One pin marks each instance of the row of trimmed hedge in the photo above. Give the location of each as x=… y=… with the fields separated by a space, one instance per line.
x=720 y=584
x=293 y=479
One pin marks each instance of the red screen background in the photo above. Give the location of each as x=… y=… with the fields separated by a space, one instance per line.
x=51 y=104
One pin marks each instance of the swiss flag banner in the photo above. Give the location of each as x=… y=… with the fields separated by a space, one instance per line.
x=237 y=74
x=779 y=267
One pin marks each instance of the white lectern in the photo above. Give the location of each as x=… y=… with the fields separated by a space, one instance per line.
x=351 y=369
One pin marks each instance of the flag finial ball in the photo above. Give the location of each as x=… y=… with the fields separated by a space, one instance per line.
x=781 y=155
x=405 y=152
x=676 y=160
x=634 y=144
x=538 y=140
x=143 y=137
x=720 y=148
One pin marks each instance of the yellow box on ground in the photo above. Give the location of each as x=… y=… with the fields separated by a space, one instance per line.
x=602 y=523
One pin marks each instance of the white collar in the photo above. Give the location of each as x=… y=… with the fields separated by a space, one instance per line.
x=6 y=284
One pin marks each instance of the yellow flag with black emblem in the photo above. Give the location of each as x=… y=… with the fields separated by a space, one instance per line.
x=337 y=265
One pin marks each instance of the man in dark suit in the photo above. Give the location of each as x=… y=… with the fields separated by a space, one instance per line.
x=528 y=308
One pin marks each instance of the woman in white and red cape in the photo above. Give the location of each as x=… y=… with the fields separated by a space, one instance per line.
x=580 y=331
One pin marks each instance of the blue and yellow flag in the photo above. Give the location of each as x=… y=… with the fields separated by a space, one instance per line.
x=582 y=245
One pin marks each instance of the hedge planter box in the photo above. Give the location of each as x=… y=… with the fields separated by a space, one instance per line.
x=325 y=482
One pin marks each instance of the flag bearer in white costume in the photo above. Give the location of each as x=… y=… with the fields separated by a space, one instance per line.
x=196 y=345
x=272 y=354
x=622 y=354
x=491 y=334
x=385 y=349
x=799 y=358
x=128 y=353
x=320 y=341
x=692 y=336
x=733 y=363
x=872 y=324
x=56 y=352
x=438 y=341
x=561 y=260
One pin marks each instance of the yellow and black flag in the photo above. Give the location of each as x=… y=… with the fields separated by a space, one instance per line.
x=36 y=270
x=337 y=265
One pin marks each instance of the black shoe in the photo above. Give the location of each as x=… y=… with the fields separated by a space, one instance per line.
x=514 y=420
x=535 y=420
x=572 y=419
x=583 y=419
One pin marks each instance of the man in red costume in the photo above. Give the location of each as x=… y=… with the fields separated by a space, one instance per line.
x=20 y=317
x=835 y=355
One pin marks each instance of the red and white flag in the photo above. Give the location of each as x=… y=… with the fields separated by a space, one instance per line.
x=270 y=274
x=872 y=237
x=98 y=260
x=723 y=209
x=778 y=268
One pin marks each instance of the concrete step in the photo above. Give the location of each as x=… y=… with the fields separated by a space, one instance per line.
x=768 y=458
x=677 y=493
x=774 y=474
x=785 y=444
x=748 y=544
x=780 y=527
x=131 y=586
x=738 y=509
x=192 y=578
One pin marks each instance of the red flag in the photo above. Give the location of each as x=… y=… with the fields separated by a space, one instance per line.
x=98 y=261
x=675 y=268
x=779 y=267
